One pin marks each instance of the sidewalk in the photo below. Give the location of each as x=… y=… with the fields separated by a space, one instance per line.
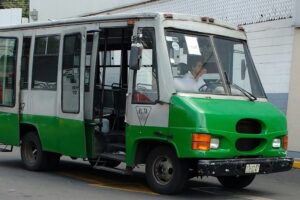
x=297 y=163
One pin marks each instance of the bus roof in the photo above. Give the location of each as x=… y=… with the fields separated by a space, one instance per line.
x=113 y=17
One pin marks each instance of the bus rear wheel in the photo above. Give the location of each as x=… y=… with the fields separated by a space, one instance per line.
x=236 y=182
x=165 y=172
x=33 y=157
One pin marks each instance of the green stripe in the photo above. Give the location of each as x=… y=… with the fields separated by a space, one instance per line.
x=64 y=136
x=9 y=129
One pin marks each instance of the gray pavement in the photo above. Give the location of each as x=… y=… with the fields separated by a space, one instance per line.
x=75 y=180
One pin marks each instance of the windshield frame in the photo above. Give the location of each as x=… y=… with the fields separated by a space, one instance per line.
x=225 y=84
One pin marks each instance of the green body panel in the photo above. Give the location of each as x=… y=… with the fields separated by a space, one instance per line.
x=64 y=136
x=218 y=117
x=90 y=139
x=137 y=134
x=9 y=128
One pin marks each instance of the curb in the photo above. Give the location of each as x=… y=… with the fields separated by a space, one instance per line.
x=296 y=164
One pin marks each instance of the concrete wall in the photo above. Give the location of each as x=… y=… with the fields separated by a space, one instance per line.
x=57 y=9
x=271 y=45
x=293 y=112
x=10 y=16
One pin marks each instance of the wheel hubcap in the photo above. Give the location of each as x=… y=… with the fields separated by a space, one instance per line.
x=31 y=152
x=163 y=170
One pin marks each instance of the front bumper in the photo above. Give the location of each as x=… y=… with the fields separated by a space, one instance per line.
x=237 y=167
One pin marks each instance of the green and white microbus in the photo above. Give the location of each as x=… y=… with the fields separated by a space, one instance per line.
x=111 y=89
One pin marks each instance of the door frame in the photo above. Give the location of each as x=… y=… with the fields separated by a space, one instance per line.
x=10 y=128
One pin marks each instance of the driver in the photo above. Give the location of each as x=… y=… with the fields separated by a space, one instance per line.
x=192 y=80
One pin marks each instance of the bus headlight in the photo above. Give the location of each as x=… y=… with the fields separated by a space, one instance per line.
x=276 y=143
x=214 y=143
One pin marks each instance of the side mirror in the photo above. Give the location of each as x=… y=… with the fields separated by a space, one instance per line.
x=135 y=56
x=243 y=69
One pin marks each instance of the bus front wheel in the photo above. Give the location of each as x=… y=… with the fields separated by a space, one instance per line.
x=165 y=172
x=236 y=182
x=33 y=157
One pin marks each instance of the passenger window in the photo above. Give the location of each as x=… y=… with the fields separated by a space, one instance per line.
x=25 y=62
x=88 y=62
x=113 y=67
x=8 y=60
x=71 y=73
x=146 y=83
x=45 y=62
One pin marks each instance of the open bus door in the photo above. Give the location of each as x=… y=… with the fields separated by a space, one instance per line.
x=71 y=93
x=10 y=54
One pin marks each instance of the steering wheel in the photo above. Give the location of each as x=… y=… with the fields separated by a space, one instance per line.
x=203 y=88
x=209 y=86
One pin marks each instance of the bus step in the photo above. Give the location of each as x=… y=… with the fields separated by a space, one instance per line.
x=115 y=170
x=113 y=147
x=116 y=137
x=113 y=156
x=6 y=148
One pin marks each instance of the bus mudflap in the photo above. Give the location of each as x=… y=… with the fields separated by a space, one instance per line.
x=243 y=166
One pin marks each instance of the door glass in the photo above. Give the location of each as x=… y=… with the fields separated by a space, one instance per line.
x=8 y=60
x=71 y=73
x=146 y=84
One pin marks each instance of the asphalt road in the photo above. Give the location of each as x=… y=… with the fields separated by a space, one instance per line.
x=75 y=180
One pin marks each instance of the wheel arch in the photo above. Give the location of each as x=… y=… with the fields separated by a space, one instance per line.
x=28 y=127
x=144 y=146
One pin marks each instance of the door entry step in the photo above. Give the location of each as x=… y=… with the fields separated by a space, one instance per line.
x=115 y=170
x=6 y=148
x=113 y=156
x=115 y=147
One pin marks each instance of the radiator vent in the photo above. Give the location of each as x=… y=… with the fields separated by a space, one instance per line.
x=247 y=144
x=251 y=126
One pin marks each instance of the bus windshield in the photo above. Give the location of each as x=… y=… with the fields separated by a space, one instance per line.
x=207 y=64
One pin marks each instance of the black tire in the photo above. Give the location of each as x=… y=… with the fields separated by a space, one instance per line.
x=53 y=160
x=236 y=182
x=33 y=157
x=165 y=172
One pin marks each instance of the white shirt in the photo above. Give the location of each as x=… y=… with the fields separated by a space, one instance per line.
x=188 y=83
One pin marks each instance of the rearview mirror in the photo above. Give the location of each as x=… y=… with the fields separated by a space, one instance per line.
x=135 y=56
x=243 y=69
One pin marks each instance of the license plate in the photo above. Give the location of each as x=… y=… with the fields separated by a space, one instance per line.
x=252 y=168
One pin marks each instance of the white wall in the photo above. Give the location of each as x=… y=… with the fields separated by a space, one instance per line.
x=293 y=113
x=57 y=9
x=271 y=45
x=10 y=16
x=297 y=13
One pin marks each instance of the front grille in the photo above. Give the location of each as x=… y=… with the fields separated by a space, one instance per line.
x=247 y=144
x=250 y=126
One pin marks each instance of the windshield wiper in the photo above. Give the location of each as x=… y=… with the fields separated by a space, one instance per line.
x=250 y=96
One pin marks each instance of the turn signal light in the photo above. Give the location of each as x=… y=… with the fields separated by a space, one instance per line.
x=201 y=141
x=285 y=142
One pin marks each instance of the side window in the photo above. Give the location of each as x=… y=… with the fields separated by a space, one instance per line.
x=45 y=62
x=146 y=79
x=239 y=58
x=71 y=73
x=88 y=61
x=25 y=62
x=8 y=60
x=113 y=67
